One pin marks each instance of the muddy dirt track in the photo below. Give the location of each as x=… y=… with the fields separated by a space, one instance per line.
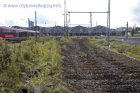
x=92 y=70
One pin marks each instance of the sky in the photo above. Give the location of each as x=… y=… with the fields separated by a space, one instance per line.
x=50 y=12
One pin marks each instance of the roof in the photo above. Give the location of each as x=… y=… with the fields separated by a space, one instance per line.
x=79 y=29
x=57 y=29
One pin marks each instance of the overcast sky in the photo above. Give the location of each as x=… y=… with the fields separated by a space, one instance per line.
x=50 y=12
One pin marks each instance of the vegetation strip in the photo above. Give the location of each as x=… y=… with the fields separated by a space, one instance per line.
x=31 y=66
x=132 y=51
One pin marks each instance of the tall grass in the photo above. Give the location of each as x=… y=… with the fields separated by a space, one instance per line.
x=32 y=65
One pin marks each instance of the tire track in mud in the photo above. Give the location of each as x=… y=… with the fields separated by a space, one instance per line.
x=91 y=70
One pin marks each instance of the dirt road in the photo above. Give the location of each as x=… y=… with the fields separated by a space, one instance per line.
x=92 y=70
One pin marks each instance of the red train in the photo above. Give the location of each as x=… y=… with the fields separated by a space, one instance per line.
x=14 y=34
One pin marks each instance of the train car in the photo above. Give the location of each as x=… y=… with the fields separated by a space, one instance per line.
x=20 y=35
x=6 y=32
x=13 y=34
x=32 y=33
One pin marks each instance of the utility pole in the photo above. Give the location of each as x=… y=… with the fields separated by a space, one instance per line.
x=35 y=18
x=127 y=30
x=65 y=16
x=69 y=19
x=36 y=24
x=108 y=21
x=90 y=24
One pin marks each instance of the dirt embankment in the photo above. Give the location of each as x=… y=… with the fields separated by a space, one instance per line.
x=92 y=70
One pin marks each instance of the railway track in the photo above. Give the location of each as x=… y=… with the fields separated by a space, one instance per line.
x=92 y=70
